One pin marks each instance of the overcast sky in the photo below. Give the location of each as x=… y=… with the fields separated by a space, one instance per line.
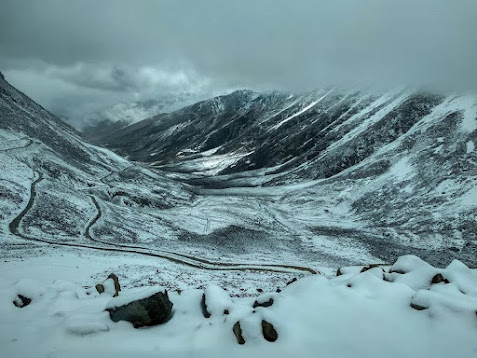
x=76 y=56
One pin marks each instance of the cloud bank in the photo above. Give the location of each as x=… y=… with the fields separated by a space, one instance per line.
x=90 y=53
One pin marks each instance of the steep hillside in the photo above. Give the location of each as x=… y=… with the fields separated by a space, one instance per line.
x=385 y=168
x=385 y=175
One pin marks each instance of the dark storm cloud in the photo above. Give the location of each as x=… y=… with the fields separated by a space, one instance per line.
x=150 y=48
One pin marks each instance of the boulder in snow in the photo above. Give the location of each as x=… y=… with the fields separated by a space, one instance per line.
x=269 y=332
x=147 y=307
x=369 y=267
x=215 y=301
x=238 y=333
x=21 y=301
x=438 y=278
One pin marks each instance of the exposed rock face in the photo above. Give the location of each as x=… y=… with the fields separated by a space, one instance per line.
x=238 y=333
x=269 y=332
x=150 y=311
x=21 y=301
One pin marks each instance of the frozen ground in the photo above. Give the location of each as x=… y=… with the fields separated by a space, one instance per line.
x=370 y=314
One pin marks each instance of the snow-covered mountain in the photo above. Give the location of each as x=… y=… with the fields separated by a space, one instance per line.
x=393 y=167
x=120 y=115
x=322 y=179
x=250 y=203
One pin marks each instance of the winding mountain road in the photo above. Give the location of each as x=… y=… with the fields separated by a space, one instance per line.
x=187 y=260
x=26 y=145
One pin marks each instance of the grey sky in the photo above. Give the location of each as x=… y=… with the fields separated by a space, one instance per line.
x=77 y=55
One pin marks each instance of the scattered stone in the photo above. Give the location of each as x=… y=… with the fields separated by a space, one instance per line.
x=100 y=288
x=21 y=301
x=438 y=278
x=278 y=290
x=149 y=311
x=226 y=312
x=269 y=332
x=259 y=290
x=238 y=333
x=338 y=272
x=263 y=304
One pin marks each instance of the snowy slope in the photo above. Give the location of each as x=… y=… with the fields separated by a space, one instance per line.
x=98 y=124
x=410 y=309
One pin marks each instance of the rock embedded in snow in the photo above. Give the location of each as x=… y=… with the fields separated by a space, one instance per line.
x=203 y=307
x=215 y=302
x=238 y=333
x=264 y=301
x=146 y=307
x=21 y=301
x=369 y=267
x=269 y=332
x=110 y=286
x=438 y=278
x=408 y=263
x=294 y=279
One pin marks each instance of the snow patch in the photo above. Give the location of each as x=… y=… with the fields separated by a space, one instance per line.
x=470 y=197
x=303 y=110
x=402 y=170
x=470 y=147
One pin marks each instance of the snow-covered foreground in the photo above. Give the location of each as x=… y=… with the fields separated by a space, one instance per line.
x=406 y=310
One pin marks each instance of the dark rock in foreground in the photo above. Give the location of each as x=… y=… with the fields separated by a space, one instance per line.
x=203 y=306
x=149 y=311
x=269 y=332
x=21 y=301
x=238 y=333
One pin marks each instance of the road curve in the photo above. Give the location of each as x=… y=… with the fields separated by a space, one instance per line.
x=182 y=259
x=190 y=260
